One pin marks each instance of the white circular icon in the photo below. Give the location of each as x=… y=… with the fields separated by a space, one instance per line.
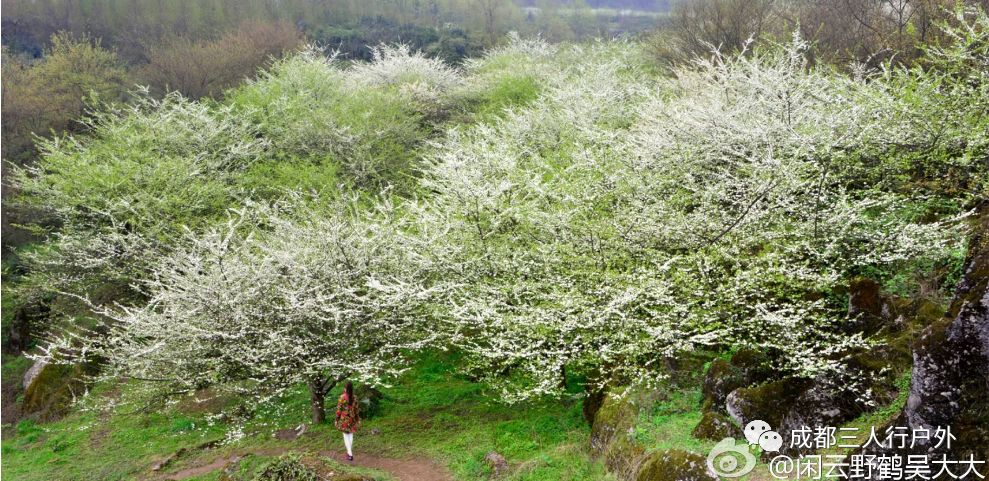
x=770 y=441
x=728 y=460
x=755 y=429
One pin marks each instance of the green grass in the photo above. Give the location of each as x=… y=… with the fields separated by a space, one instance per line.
x=430 y=412
x=509 y=91
x=671 y=420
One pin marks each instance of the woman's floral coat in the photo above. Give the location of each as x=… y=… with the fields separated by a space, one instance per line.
x=347 y=419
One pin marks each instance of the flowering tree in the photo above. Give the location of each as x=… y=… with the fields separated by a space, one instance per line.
x=270 y=300
x=615 y=222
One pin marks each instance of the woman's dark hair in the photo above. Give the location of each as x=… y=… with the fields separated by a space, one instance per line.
x=349 y=389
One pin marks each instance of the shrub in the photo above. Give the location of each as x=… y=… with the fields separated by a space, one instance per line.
x=287 y=468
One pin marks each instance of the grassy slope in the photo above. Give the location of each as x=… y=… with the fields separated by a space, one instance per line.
x=429 y=412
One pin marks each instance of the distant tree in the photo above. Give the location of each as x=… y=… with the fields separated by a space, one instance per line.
x=49 y=94
x=875 y=30
x=727 y=24
x=842 y=31
x=493 y=16
x=207 y=68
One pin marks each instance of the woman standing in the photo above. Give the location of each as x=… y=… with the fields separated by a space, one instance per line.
x=348 y=418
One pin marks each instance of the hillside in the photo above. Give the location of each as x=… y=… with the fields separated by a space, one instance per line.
x=553 y=261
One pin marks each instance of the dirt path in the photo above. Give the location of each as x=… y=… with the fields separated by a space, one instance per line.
x=412 y=469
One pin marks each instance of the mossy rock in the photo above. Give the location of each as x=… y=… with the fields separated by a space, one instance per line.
x=615 y=416
x=755 y=365
x=721 y=379
x=622 y=455
x=715 y=427
x=53 y=390
x=675 y=465
x=612 y=434
x=769 y=402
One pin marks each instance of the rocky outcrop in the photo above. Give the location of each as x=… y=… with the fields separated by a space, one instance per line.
x=613 y=437
x=790 y=404
x=721 y=379
x=769 y=402
x=950 y=381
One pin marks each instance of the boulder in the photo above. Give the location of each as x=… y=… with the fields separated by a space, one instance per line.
x=675 y=465
x=497 y=463
x=615 y=417
x=612 y=435
x=53 y=389
x=715 y=427
x=769 y=401
x=756 y=366
x=721 y=379
x=822 y=404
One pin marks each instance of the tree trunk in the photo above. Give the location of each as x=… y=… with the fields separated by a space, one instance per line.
x=317 y=401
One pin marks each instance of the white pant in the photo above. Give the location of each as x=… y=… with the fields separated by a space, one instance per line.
x=348 y=440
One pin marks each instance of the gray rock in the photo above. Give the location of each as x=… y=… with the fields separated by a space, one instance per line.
x=33 y=372
x=497 y=462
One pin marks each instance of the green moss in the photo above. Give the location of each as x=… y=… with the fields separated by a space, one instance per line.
x=53 y=390
x=715 y=427
x=770 y=401
x=615 y=416
x=674 y=465
x=722 y=378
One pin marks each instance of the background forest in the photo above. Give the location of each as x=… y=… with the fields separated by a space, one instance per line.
x=547 y=240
